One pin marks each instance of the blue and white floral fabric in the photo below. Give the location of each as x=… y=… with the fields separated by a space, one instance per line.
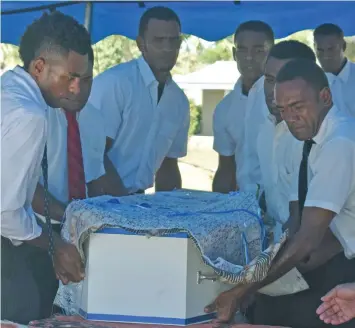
x=227 y=229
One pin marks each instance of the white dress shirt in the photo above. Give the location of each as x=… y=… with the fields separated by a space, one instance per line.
x=343 y=88
x=331 y=176
x=93 y=142
x=280 y=155
x=144 y=131
x=255 y=115
x=228 y=125
x=23 y=137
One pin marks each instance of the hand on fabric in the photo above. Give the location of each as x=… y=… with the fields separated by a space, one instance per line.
x=338 y=305
x=67 y=263
x=227 y=304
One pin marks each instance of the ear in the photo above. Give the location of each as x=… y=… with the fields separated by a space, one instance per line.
x=37 y=66
x=140 y=43
x=234 y=50
x=326 y=97
x=344 y=45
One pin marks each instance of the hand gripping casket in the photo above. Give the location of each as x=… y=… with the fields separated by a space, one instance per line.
x=161 y=258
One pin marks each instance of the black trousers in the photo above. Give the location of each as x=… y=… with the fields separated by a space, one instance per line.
x=299 y=310
x=28 y=283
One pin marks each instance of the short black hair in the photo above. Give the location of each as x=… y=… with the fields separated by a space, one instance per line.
x=328 y=29
x=256 y=26
x=304 y=69
x=160 y=13
x=292 y=50
x=57 y=33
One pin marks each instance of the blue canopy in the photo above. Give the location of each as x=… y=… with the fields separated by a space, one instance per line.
x=211 y=21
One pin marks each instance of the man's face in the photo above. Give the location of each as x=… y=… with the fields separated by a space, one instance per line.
x=65 y=81
x=330 y=52
x=250 y=52
x=301 y=107
x=160 y=45
x=272 y=68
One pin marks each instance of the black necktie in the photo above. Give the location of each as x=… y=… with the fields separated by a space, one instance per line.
x=46 y=203
x=302 y=177
x=160 y=90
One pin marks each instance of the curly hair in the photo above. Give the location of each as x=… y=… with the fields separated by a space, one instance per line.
x=54 y=33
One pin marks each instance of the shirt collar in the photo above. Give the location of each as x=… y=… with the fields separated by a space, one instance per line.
x=238 y=88
x=345 y=72
x=325 y=126
x=281 y=125
x=343 y=75
x=147 y=74
x=29 y=84
x=259 y=84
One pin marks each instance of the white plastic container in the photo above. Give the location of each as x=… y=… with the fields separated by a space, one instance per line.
x=139 y=279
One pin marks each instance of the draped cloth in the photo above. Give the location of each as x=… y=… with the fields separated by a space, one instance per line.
x=226 y=229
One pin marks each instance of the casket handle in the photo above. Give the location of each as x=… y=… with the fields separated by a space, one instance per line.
x=203 y=276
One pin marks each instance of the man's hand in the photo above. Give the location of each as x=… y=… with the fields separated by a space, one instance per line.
x=67 y=263
x=227 y=304
x=338 y=305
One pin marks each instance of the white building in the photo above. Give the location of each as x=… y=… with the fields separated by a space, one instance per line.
x=207 y=87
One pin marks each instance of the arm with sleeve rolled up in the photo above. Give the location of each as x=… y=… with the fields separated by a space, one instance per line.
x=22 y=152
x=168 y=176
x=321 y=206
x=23 y=147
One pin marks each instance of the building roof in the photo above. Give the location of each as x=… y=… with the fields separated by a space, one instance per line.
x=222 y=75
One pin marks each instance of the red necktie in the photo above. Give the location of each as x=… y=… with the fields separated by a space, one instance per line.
x=76 y=175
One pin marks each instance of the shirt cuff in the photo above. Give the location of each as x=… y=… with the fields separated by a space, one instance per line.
x=324 y=205
x=293 y=198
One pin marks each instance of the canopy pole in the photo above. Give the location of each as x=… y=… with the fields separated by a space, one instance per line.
x=88 y=16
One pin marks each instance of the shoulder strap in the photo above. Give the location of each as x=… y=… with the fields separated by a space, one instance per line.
x=46 y=203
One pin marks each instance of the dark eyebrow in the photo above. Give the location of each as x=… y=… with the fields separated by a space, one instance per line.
x=73 y=74
x=77 y=75
x=292 y=104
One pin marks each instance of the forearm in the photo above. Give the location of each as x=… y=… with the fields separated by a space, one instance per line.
x=56 y=208
x=224 y=182
x=42 y=241
x=329 y=247
x=294 y=221
x=168 y=178
x=112 y=182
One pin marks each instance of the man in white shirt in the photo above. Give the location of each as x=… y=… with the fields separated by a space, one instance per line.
x=146 y=114
x=326 y=194
x=279 y=152
x=252 y=40
x=330 y=47
x=54 y=50
x=86 y=121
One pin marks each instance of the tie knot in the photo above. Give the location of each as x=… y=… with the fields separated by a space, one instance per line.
x=70 y=116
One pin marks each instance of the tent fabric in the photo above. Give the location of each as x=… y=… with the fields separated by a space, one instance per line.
x=212 y=20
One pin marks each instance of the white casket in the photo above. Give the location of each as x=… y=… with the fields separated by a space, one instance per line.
x=134 y=286
x=155 y=258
